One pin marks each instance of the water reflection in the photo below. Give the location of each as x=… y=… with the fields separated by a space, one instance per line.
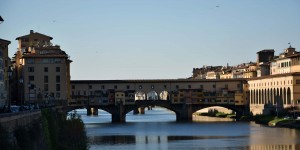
x=275 y=147
x=158 y=130
x=181 y=142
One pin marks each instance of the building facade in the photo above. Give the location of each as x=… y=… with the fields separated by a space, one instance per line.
x=274 y=93
x=4 y=78
x=43 y=70
x=227 y=91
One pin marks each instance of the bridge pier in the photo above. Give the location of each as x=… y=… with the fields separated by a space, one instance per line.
x=118 y=115
x=92 y=111
x=88 y=111
x=95 y=111
x=142 y=110
x=185 y=114
x=136 y=111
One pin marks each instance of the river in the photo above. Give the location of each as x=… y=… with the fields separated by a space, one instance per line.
x=157 y=129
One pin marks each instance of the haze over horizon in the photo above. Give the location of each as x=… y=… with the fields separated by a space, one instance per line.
x=139 y=39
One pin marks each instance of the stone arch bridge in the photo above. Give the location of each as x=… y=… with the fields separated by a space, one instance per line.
x=183 y=111
x=182 y=96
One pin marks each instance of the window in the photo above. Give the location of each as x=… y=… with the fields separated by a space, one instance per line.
x=46 y=87
x=91 y=92
x=84 y=93
x=45 y=69
x=128 y=87
x=214 y=86
x=78 y=92
x=297 y=81
x=190 y=86
x=201 y=86
x=102 y=87
x=30 y=69
x=238 y=85
x=30 y=61
x=57 y=79
x=57 y=95
x=165 y=86
x=57 y=60
x=45 y=79
x=73 y=86
x=31 y=78
x=177 y=86
x=116 y=87
x=57 y=87
x=45 y=60
x=57 y=69
x=90 y=86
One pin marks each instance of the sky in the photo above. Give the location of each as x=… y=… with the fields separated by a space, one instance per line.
x=154 y=39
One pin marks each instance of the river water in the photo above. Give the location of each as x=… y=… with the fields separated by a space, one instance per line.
x=158 y=130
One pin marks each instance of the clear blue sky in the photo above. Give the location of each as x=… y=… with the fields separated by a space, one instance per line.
x=154 y=39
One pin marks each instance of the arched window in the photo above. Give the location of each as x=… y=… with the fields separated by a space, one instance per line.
x=152 y=95
x=163 y=95
x=140 y=95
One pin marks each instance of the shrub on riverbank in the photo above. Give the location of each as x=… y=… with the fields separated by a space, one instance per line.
x=263 y=119
x=62 y=133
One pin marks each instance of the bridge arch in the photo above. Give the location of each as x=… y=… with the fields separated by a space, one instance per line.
x=239 y=110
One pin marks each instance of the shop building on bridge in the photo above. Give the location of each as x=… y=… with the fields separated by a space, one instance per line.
x=94 y=92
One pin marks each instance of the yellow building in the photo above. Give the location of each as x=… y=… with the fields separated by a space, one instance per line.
x=43 y=70
x=120 y=97
x=276 y=91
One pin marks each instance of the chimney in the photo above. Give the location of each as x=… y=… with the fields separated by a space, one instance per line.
x=31 y=31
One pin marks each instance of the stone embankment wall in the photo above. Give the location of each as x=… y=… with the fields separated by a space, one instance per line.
x=11 y=121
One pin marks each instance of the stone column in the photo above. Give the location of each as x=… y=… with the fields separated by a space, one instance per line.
x=142 y=110
x=88 y=111
x=185 y=114
x=118 y=115
x=95 y=111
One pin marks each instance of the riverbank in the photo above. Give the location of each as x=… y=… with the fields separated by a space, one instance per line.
x=273 y=121
x=199 y=118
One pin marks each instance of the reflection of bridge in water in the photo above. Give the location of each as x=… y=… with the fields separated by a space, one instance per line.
x=182 y=96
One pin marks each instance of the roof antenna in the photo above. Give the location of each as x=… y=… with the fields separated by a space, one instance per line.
x=290 y=45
